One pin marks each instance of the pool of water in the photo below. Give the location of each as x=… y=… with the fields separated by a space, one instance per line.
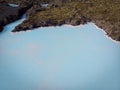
x=13 y=5
x=58 y=58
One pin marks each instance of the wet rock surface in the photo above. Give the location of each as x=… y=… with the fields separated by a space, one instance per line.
x=8 y=14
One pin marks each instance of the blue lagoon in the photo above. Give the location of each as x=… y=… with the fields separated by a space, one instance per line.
x=58 y=58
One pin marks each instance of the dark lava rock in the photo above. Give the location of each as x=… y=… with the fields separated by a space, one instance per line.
x=1 y=28
x=118 y=38
x=24 y=6
x=45 y=23
x=7 y=15
x=59 y=12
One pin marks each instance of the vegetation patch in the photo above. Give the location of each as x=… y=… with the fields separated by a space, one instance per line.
x=104 y=13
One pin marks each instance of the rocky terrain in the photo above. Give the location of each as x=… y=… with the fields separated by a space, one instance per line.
x=9 y=14
x=104 y=13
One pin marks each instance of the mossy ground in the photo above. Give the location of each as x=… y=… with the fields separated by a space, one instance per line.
x=104 y=13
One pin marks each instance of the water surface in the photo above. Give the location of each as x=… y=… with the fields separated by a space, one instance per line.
x=58 y=58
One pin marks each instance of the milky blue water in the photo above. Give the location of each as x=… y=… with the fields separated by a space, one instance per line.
x=44 y=5
x=58 y=58
x=13 y=5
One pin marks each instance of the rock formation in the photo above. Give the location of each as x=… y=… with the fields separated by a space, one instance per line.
x=104 y=13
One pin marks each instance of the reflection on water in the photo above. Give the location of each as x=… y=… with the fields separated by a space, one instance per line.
x=58 y=58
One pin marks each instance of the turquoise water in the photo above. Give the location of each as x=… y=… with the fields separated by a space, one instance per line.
x=13 y=5
x=44 y=5
x=58 y=58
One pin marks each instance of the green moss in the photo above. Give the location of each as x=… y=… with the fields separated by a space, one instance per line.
x=57 y=14
x=105 y=12
x=108 y=11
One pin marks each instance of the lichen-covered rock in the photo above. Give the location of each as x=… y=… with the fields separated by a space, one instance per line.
x=104 y=13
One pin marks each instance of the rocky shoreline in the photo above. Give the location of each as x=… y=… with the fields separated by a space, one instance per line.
x=10 y=14
x=68 y=12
